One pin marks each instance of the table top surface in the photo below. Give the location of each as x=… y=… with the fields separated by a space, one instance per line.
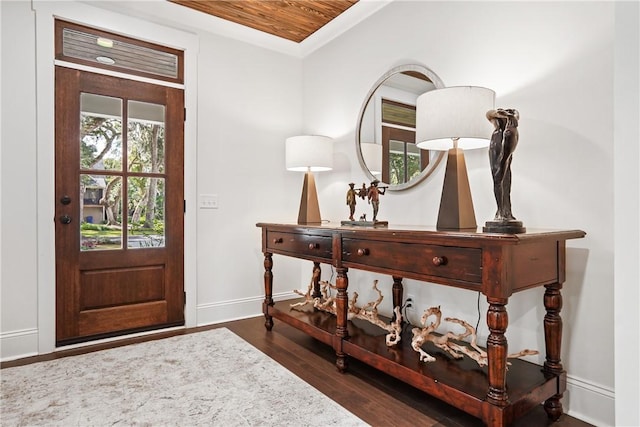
x=398 y=229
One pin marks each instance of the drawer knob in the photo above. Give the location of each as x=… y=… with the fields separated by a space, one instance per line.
x=363 y=252
x=313 y=246
x=277 y=240
x=439 y=260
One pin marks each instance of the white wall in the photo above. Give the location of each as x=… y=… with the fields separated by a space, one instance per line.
x=249 y=103
x=627 y=213
x=553 y=61
x=18 y=180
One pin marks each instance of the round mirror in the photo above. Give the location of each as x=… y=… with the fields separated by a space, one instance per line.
x=385 y=133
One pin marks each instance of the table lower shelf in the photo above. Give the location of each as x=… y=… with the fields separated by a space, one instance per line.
x=459 y=382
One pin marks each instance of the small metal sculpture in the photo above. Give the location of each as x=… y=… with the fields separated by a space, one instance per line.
x=351 y=200
x=372 y=194
x=362 y=192
x=504 y=140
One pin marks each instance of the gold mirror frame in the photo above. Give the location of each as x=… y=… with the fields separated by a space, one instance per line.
x=437 y=159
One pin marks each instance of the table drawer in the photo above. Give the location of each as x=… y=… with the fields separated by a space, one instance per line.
x=307 y=245
x=430 y=260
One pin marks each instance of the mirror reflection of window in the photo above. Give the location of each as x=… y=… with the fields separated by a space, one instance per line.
x=402 y=160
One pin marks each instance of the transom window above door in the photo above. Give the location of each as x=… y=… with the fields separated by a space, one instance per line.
x=102 y=49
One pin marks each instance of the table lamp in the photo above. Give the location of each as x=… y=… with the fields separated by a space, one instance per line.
x=453 y=119
x=309 y=153
x=372 y=156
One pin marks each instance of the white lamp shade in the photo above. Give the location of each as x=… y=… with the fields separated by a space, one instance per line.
x=454 y=112
x=309 y=153
x=372 y=156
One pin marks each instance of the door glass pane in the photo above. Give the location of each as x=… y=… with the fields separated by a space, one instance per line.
x=145 y=148
x=145 y=212
x=100 y=132
x=101 y=212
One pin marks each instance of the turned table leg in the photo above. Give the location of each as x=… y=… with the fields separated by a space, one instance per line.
x=497 y=348
x=342 y=303
x=268 y=290
x=553 y=343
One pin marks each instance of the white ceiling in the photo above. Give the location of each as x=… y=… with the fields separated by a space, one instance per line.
x=166 y=13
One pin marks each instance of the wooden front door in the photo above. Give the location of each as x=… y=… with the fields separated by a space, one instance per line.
x=119 y=206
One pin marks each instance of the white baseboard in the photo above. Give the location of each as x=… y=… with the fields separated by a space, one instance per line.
x=589 y=402
x=18 y=344
x=226 y=311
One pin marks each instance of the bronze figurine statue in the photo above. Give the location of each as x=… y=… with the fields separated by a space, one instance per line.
x=351 y=200
x=373 y=196
x=504 y=140
x=362 y=193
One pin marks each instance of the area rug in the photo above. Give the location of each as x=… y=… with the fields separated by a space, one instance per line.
x=211 y=378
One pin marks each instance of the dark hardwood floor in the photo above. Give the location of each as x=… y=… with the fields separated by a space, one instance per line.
x=375 y=397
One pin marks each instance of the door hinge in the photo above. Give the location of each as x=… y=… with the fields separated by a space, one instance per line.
x=185 y=115
x=184 y=206
x=185 y=297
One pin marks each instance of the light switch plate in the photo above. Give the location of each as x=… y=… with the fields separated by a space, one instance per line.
x=208 y=201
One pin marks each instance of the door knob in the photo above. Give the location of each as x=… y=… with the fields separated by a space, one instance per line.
x=65 y=219
x=65 y=200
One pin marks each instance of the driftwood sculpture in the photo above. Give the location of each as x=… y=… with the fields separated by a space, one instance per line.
x=368 y=312
x=447 y=342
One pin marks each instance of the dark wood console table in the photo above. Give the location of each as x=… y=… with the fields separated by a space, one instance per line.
x=497 y=265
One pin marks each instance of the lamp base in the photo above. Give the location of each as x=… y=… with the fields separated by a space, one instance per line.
x=456 y=205
x=309 y=212
x=504 y=227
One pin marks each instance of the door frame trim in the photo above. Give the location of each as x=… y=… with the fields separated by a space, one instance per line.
x=45 y=110
x=82 y=67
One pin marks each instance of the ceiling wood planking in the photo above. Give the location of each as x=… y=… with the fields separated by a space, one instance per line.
x=293 y=20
